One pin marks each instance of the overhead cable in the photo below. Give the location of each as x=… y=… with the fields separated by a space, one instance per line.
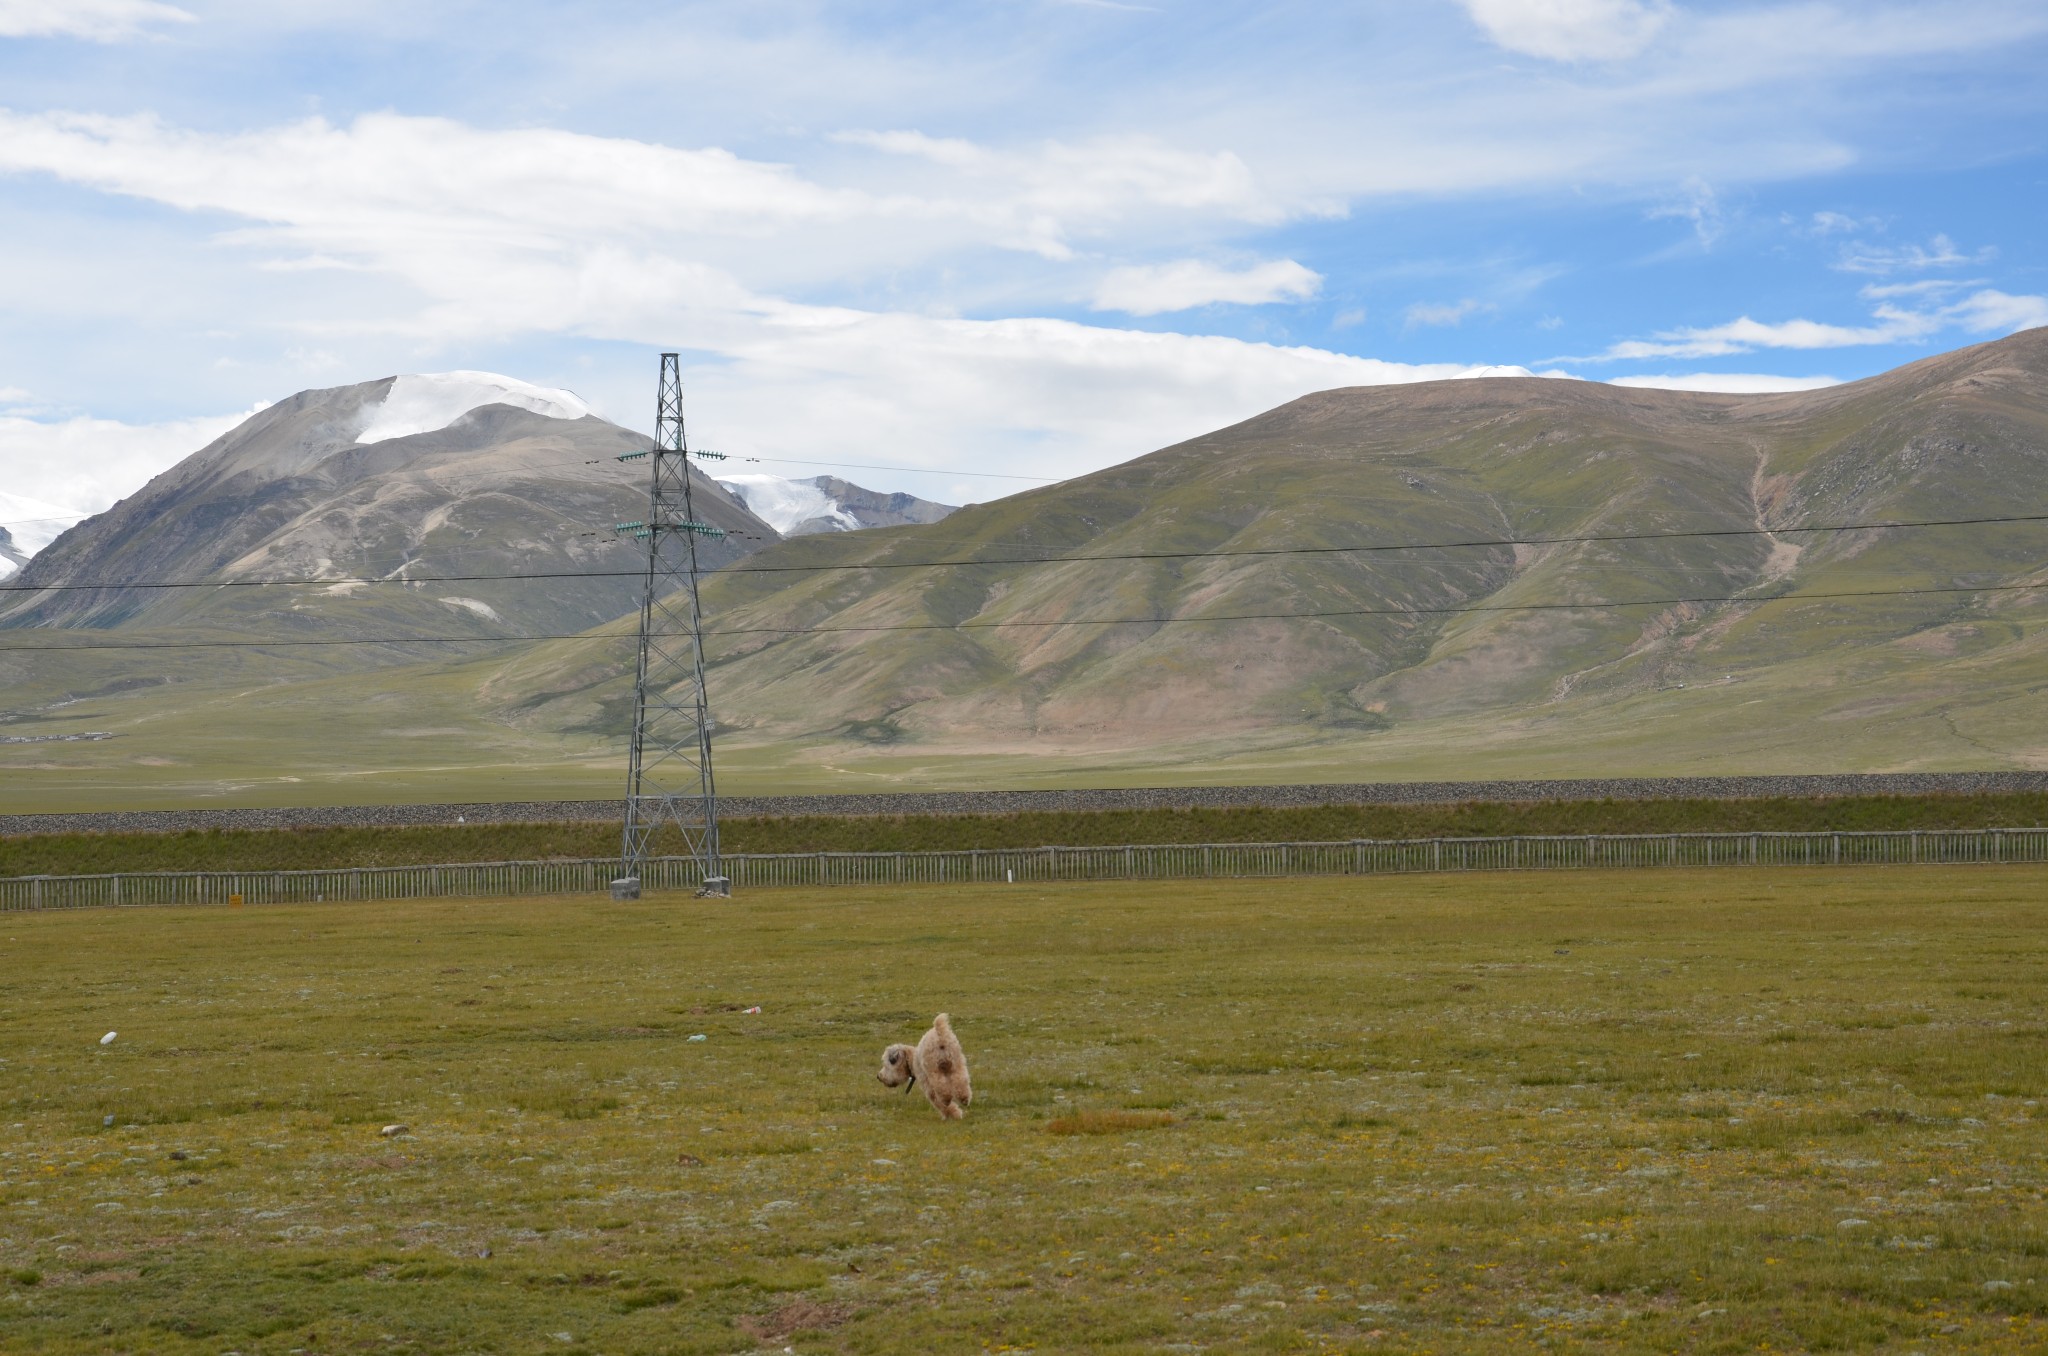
x=1460 y=610
x=1489 y=543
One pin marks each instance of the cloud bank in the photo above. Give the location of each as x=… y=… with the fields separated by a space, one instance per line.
x=1188 y=283
x=93 y=20
x=1571 y=30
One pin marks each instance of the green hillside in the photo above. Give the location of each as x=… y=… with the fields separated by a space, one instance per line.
x=998 y=674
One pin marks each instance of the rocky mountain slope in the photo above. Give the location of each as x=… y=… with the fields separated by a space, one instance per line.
x=443 y=474
x=800 y=508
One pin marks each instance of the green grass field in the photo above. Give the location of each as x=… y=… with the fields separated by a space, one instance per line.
x=311 y=849
x=1662 y=1111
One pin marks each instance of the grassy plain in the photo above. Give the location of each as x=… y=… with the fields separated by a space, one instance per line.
x=1708 y=1112
x=316 y=848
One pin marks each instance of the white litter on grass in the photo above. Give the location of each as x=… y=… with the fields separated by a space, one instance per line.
x=108 y=1039
x=426 y=401
x=699 y=1036
x=753 y=1009
x=394 y=1131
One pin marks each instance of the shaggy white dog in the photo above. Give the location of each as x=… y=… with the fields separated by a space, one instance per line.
x=938 y=1062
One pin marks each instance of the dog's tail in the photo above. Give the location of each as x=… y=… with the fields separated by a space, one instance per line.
x=948 y=1043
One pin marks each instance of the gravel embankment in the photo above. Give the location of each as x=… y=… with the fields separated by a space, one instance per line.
x=1011 y=802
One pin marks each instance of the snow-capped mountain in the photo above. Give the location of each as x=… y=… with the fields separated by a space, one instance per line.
x=426 y=401
x=11 y=558
x=27 y=526
x=799 y=508
x=449 y=473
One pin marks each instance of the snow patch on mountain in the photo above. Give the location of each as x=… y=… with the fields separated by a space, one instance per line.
x=788 y=504
x=424 y=402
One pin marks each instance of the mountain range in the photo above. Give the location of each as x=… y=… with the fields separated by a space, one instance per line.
x=1493 y=577
x=445 y=474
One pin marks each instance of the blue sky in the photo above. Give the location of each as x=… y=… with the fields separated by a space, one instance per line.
x=1026 y=236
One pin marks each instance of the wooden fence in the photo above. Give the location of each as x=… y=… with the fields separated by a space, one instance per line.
x=1359 y=857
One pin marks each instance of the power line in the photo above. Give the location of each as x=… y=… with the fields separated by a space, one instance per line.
x=1067 y=621
x=1226 y=554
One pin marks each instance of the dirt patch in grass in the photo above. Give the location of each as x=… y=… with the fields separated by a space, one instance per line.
x=797 y=1316
x=1107 y=1122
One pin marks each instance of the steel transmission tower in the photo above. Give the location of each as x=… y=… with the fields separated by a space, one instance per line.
x=668 y=781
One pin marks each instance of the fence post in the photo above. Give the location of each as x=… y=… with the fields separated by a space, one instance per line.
x=1835 y=859
x=1913 y=847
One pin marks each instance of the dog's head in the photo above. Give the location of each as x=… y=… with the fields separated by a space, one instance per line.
x=896 y=1071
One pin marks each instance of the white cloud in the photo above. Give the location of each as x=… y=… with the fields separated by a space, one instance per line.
x=1571 y=30
x=1832 y=223
x=1696 y=202
x=507 y=234
x=1985 y=312
x=1155 y=289
x=69 y=468
x=1726 y=383
x=387 y=186
x=1436 y=315
x=1924 y=288
x=96 y=20
x=934 y=392
x=1745 y=335
x=1993 y=312
x=1940 y=252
